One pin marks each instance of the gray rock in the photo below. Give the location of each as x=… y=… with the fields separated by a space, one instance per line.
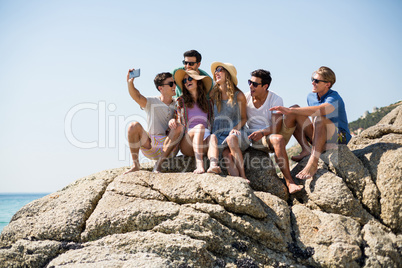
x=148 y=248
x=329 y=193
x=26 y=253
x=348 y=214
x=379 y=149
x=60 y=216
x=389 y=182
x=259 y=169
x=346 y=165
x=335 y=239
x=382 y=247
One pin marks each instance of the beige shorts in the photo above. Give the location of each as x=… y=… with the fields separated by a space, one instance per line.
x=263 y=144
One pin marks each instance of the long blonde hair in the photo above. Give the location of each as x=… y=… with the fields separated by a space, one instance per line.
x=216 y=93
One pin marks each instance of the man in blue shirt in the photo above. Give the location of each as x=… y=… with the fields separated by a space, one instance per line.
x=330 y=123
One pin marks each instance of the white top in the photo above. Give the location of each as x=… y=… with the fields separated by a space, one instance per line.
x=261 y=118
x=158 y=115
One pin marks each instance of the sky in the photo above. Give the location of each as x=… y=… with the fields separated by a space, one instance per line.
x=65 y=107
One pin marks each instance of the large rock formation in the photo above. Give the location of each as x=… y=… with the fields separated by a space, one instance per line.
x=348 y=215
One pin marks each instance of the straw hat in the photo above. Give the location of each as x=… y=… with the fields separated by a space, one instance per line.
x=179 y=76
x=228 y=66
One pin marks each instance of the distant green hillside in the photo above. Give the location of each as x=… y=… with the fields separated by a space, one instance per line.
x=372 y=118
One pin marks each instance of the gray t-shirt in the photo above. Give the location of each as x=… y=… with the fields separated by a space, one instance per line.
x=158 y=115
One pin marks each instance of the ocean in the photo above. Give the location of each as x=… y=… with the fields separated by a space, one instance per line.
x=10 y=203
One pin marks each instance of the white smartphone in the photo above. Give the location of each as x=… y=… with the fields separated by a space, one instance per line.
x=135 y=73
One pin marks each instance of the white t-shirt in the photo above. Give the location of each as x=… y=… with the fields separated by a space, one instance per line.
x=261 y=118
x=158 y=115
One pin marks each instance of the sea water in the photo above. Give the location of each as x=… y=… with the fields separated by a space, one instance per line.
x=10 y=203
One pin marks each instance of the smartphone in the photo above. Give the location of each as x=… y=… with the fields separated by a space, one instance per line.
x=135 y=73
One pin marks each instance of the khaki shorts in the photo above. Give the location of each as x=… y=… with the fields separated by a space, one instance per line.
x=263 y=144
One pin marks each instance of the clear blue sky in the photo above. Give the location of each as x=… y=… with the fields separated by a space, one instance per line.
x=64 y=102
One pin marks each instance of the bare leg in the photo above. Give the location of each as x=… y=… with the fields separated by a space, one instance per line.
x=137 y=137
x=230 y=165
x=304 y=128
x=281 y=158
x=170 y=144
x=233 y=143
x=323 y=130
x=213 y=155
x=193 y=145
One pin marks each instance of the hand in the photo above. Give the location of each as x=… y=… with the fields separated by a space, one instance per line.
x=256 y=135
x=234 y=132
x=280 y=110
x=130 y=80
x=172 y=124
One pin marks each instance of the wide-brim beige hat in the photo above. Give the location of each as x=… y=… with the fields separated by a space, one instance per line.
x=228 y=66
x=179 y=76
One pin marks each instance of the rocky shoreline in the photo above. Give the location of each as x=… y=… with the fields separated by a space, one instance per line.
x=348 y=215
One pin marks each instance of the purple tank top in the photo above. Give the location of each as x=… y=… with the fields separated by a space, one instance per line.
x=196 y=116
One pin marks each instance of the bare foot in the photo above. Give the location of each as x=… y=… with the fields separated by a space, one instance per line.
x=132 y=169
x=231 y=167
x=246 y=180
x=214 y=169
x=308 y=171
x=294 y=188
x=158 y=166
x=298 y=158
x=199 y=171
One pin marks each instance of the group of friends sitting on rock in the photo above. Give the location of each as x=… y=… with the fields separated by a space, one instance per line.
x=200 y=115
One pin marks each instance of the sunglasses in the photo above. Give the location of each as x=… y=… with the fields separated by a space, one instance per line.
x=317 y=81
x=219 y=69
x=189 y=63
x=255 y=84
x=170 y=84
x=189 y=79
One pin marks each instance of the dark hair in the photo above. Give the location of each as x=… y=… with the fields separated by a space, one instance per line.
x=160 y=78
x=201 y=96
x=264 y=75
x=193 y=53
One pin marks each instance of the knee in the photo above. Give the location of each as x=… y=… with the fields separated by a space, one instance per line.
x=134 y=127
x=200 y=128
x=277 y=140
x=213 y=139
x=178 y=130
x=319 y=121
x=232 y=140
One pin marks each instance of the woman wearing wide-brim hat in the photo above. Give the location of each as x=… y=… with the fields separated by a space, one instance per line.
x=195 y=113
x=230 y=117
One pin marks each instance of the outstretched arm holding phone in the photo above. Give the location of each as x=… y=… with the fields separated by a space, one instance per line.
x=134 y=92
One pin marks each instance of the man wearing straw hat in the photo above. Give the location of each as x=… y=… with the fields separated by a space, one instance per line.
x=192 y=61
x=154 y=143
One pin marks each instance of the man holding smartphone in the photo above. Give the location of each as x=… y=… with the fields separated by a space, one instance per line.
x=192 y=61
x=154 y=142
